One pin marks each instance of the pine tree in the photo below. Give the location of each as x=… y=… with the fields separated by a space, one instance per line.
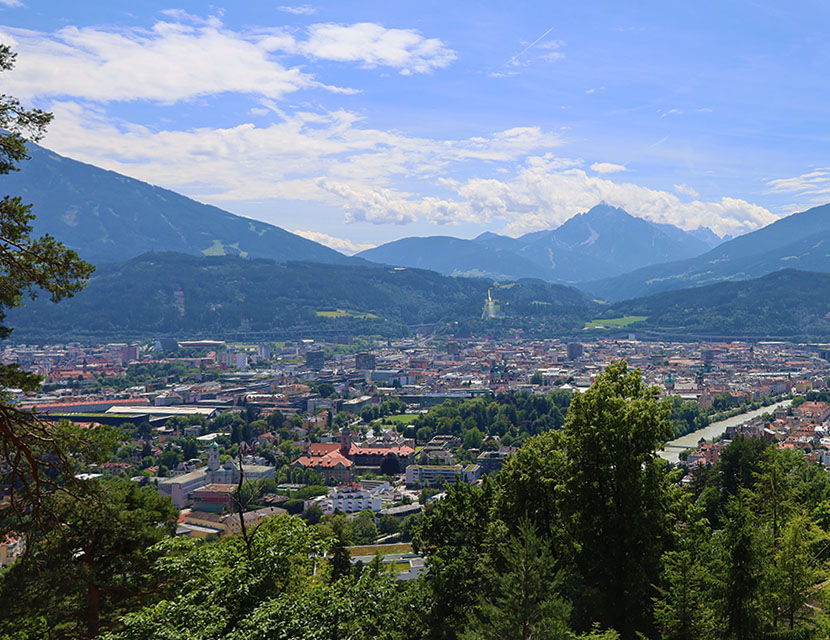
x=521 y=600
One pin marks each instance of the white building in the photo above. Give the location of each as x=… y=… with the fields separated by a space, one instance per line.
x=351 y=498
x=434 y=475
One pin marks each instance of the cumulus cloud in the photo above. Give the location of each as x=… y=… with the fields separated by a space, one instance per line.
x=185 y=56
x=686 y=190
x=338 y=244
x=331 y=157
x=608 y=167
x=172 y=61
x=543 y=194
x=374 y=45
x=281 y=159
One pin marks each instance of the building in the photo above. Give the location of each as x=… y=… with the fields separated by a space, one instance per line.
x=181 y=488
x=491 y=461
x=433 y=475
x=338 y=461
x=351 y=498
x=575 y=350
x=365 y=361
x=333 y=466
x=129 y=353
x=315 y=360
x=10 y=550
x=214 y=498
x=202 y=524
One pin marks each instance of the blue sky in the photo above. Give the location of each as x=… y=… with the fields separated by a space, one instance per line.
x=356 y=123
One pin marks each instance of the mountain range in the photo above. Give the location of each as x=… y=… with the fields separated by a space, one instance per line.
x=612 y=255
x=798 y=241
x=602 y=242
x=108 y=217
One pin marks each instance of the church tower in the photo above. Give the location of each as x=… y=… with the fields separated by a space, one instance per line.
x=213 y=457
x=345 y=441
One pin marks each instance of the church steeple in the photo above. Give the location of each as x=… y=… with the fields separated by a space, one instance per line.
x=213 y=457
x=345 y=441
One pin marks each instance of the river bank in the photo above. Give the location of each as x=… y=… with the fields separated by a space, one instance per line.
x=674 y=447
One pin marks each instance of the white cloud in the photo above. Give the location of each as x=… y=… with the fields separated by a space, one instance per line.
x=338 y=244
x=374 y=45
x=815 y=182
x=543 y=194
x=329 y=157
x=298 y=10
x=608 y=167
x=686 y=190
x=282 y=159
x=11 y=3
x=173 y=61
x=184 y=56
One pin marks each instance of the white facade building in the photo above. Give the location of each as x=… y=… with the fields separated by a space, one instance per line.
x=351 y=498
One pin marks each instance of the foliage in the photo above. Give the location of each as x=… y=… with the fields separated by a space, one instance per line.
x=91 y=566
x=227 y=294
x=786 y=303
x=32 y=454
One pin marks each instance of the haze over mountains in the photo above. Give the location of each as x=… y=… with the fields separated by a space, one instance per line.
x=799 y=241
x=108 y=217
x=605 y=240
x=607 y=252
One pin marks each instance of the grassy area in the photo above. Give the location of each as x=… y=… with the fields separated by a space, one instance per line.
x=345 y=313
x=216 y=249
x=372 y=549
x=402 y=418
x=600 y=323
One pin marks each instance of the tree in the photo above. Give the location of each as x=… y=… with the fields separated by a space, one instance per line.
x=473 y=439
x=537 y=379
x=390 y=465
x=31 y=452
x=313 y=514
x=796 y=569
x=683 y=609
x=616 y=499
x=340 y=560
x=452 y=537
x=739 y=570
x=82 y=573
x=521 y=599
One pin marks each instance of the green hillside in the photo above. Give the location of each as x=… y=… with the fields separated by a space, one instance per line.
x=172 y=293
x=787 y=303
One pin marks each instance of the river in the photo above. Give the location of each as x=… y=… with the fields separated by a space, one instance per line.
x=690 y=440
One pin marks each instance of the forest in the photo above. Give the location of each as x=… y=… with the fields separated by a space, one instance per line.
x=176 y=294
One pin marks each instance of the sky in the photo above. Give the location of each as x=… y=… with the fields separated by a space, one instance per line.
x=357 y=123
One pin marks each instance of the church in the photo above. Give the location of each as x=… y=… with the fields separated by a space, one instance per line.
x=338 y=462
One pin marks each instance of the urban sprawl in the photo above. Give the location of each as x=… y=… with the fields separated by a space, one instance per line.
x=341 y=427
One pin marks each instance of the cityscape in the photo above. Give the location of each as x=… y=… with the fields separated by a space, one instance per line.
x=414 y=321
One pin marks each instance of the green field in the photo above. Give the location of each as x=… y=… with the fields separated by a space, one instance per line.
x=372 y=549
x=613 y=322
x=345 y=313
x=402 y=418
